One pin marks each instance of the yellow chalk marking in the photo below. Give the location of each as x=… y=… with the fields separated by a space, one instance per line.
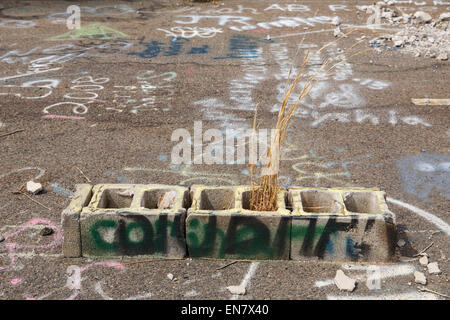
x=431 y=102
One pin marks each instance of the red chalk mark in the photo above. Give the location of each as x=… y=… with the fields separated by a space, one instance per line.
x=54 y=116
x=16 y=281
x=261 y=30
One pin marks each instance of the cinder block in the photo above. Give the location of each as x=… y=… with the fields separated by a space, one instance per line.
x=135 y=220
x=70 y=221
x=220 y=225
x=341 y=225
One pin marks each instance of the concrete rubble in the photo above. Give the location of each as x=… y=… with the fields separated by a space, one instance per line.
x=419 y=277
x=34 y=187
x=423 y=261
x=240 y=290
x=421 y=34
x=344 y=282
x=433 y=268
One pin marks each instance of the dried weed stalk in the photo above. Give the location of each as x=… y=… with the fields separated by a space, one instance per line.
x=264 y=194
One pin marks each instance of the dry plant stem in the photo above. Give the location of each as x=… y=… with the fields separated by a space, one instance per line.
x=21 y=192
x=264 y=195
x=434 y=292
x=87 y=179
x=10 y=133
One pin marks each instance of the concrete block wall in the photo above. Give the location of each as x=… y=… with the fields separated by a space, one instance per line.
x=215 y=221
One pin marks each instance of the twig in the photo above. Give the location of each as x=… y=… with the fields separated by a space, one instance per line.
x=227 y=265
x=152 y=260
x=88 y=180
x=10 y=133
x=21 y=192
x=420 y=253
x=435 y=292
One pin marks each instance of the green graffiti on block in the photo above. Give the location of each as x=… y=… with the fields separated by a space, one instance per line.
x=97 y=238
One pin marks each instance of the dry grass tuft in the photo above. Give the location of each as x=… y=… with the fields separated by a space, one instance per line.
x=264 y=194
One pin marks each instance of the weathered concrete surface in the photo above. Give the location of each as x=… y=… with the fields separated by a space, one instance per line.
x=219 y=225
x=124 y=219
x=370 y=135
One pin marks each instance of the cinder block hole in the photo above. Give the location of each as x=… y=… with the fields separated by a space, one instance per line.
x=246 y=197
x=362 y=202
x=217 y=199
x=115 y=198
x=159 y=199
x=318 y=201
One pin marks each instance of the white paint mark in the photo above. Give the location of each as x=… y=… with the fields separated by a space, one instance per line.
x=324 y=283
x=250 y=273
x=139 y=297
x=383 y=272
x=191 y=293
x=301 y=33
x=441 y=224
x=99 y=290
x=40 y=174
x=74 y=279
x=28 y=74
x=400 y=296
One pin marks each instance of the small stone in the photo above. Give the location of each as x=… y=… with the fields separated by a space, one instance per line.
x=170 y=276
x=237 y=289
x=126 y=193
x=387 y=15
x=167 y=200
x=442 y=56
x=343 y=282
x=417 y=54
x=46 y=231
x=409 y=283
x=398 y=41
x=337 y=32
x=336 y=21
x=419 y=277
x=401 y=243
x=34 y=187
x=422 y=17
x=2 y=238
x=423 y=261
x=433 y=268
x=445 y=16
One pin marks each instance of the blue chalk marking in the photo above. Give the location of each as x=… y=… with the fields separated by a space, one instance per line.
x=62 y=191
x=163 y=157
x=119 y=178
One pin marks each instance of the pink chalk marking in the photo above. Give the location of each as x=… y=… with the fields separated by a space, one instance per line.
x=12 y=246
x=16 y=281
x=54 y=116
x=57 y=238
x=74 y=295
